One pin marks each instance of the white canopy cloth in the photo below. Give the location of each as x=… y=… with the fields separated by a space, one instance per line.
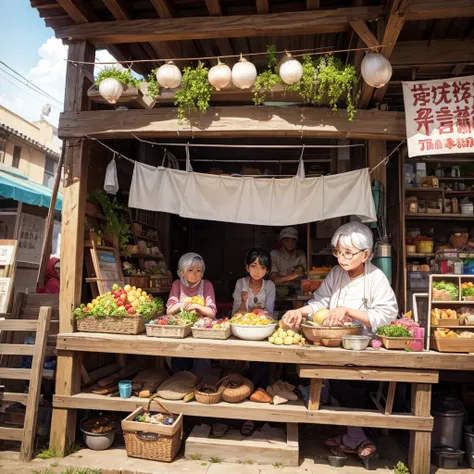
x=246 y=200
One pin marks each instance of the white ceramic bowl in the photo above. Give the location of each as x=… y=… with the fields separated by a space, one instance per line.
x=99 y=442
x=252 y=333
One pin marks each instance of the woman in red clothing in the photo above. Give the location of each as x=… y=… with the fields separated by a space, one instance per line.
x=52 y=277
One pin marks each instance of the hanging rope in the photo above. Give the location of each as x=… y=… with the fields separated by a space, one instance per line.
x=387 y=158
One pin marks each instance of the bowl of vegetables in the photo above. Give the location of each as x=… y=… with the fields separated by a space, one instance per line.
x=175 y=326
x=252 y=327
x=210 y=328
x=445 y=291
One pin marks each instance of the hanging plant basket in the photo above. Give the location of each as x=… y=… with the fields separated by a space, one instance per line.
x=132 y=97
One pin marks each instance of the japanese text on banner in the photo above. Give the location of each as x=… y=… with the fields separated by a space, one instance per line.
x=439 y=116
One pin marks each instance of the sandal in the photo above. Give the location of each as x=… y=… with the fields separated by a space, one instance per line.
x=336 y=445
x=370 y=460
x=247 y=428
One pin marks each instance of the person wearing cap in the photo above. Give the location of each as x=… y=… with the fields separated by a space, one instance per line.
x=287 y=262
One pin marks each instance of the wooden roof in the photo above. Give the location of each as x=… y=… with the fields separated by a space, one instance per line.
x=424 y=39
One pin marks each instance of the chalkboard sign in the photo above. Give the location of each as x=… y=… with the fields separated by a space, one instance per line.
x=107 y=267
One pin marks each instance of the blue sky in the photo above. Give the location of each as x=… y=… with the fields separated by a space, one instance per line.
x=30 y=48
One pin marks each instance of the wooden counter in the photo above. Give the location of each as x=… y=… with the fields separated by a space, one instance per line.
x=236 y=349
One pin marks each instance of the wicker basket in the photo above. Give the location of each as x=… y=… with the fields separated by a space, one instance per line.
x=236 y=388
x=177 y=332
x=315 y=334
x=131 y=324
x=208 y=398
x=209 y=333
x=140 y=281
x=152 y=441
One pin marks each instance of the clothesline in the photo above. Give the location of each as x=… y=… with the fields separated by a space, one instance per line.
x=387 y=158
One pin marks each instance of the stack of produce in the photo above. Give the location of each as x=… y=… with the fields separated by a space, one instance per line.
x=157 y=419
x=404 y=327
x=437 y=314
x=252 y=319
x=445 y=291
x=289 y=337
x=449 y=333
x=196 y=300
x=121 y=302
x=467 y=291
x=180 y=319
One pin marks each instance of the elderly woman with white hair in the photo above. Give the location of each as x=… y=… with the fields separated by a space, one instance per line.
x=359 y=291
x=191 y=268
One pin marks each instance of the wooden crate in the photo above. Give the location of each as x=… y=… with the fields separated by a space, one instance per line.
x=453 y=344
x=397 y=342
x=132 y=324
x=177 y=332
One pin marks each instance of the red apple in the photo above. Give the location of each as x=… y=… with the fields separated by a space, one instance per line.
x=128 y=306
x=120 y=303
x=123 y=296
x=131 y=310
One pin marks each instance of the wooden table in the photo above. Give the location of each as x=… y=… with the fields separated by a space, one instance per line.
x=418 y=368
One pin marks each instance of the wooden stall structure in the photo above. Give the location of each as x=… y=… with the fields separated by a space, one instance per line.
x=422 y=38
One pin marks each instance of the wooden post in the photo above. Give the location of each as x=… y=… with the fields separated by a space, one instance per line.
x=68 y=372
x=377 y=152
x=315 y=387
x=420 y=441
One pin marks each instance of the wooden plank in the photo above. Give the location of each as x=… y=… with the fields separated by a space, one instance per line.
x=313 y=4
x=263 y=6
x=233 y=447
x=315 y=394
x=164 y=8
x=437 y=9
x=236 y=349
x=377 y=152
x=17 y=349
x=291 y=412
x=375 y=374
x=364 y=33
x=34 y=390
x=234 y=122
x=75 y=9
x=41 y=299
x=18 y=325
x=214 y=7
x=390 y=397
x=13 y=397
x=292 y=436
x=14 y=374
x=11 y=433
x=274 y=24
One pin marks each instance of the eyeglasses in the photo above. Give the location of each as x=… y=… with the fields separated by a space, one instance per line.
x=347 y=254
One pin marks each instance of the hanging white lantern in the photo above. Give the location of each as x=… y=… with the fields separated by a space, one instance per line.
x=169 y=76
x=291 y=70
x=376 y=70
x=244 y=74
x=219 y=76
x=110 y=89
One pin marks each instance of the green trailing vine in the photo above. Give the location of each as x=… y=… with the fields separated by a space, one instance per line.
x=152 y=84
x=306 y=87
x=195 y=92
x=336 y=81
x=267 y=79
x=123 y=76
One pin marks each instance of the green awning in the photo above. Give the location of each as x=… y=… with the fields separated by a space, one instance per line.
x=15 y=185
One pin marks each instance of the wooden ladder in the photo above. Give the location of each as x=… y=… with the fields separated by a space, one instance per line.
x=34 y=375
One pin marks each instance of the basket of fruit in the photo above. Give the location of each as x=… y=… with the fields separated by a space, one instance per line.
x=208 y=394
x=252 y=326
x=467 y=291
x=209 y=328
x=156 y=437
x=177 y=326
x=121 y=311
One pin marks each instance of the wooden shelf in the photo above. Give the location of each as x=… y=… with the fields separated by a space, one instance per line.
x=446 y=217
x=422 y=190
x=291 y=412
x=158 y=291
x=147 y=256
x=149 y=239
x=444 y=326
x=420 y=255
x=145 y=224
x=468 y=192
x=461 y=178
x=452 y=302
x=236 y=349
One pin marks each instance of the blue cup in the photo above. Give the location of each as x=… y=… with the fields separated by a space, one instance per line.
x=125 y=388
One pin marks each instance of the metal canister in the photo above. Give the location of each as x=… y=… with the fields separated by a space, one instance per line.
x=455 y=206
x=383 y=250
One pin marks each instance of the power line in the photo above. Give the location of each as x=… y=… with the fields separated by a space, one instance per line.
x=29 y=83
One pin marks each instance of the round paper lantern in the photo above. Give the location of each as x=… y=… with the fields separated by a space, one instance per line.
x=376 y=70
x=219 y=76
x=244 y=74
x=291 y=70
x=110 y=89
x=169 y=75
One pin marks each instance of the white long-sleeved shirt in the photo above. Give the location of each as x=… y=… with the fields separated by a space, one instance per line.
x=339 y=290
x=264 y=298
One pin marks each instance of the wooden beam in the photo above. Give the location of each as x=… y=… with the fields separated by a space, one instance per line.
x=117 y=11
x=376 y=153
x=163 y=8
x=232 y=122
x=263 y=6
x=458 y=69
x=274 y=24
x=313 y=4
x=75 y=9
x=260 y=351
x=214 y=7
x=438 y=9
x=364 y=33
x=394 y=27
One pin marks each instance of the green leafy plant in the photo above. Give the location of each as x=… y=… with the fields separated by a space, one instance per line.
x=392 y=330
x=49 y=453
x=152 y=84
x=277 y=465
x=196 y=457
x=306 y=86
x=114 y=212
x=215 y=460
x=400 y=468
x=123 y=76
x=267 y=79
x=336 y=81
x=195 y=92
